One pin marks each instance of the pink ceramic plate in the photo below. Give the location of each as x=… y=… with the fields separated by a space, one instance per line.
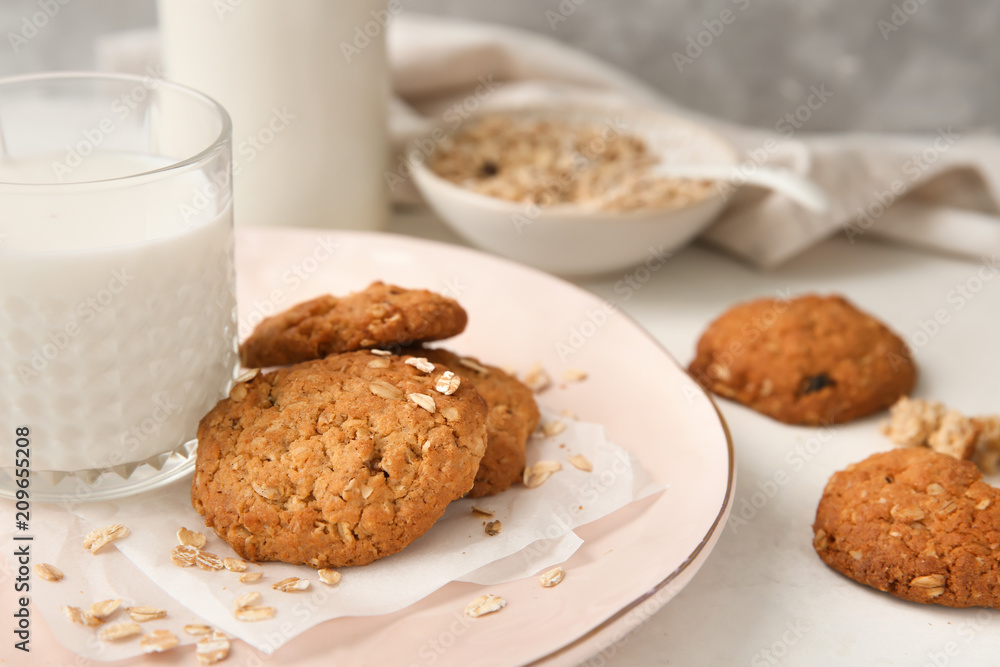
x=631 y=563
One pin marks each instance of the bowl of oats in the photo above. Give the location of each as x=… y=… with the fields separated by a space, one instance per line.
x=573 y=190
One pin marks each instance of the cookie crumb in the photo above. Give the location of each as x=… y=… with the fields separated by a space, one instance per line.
x=206 y=560
x=212 y=648
x=143 y=614
x=48 y=572
x=117 y=631
x=581 y=462
x=987 y=454
x=99 y=538
x=105 y=608
x=247 y=375
x=329 y=576
x=234 y=564
x=291 y=585
x=158 y=641
x=484 y=604
x=247 y=599
x=537 y=379
x=191 y=538
x=552 y=578
x=915 y=422
x=538 y=474
x=81 y=616
x=552 y=428
x=254 y=613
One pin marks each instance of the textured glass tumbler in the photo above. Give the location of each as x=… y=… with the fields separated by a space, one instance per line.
x=117 y=301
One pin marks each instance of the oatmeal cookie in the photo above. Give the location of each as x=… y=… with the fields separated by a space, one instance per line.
x=379 y=315
x=920 y=525
x=513 y=416
x=809 y=360
x=338 y=461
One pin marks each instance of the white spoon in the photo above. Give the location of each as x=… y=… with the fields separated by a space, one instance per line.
x=788 y=183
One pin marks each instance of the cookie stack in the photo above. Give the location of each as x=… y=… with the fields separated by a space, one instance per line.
x=355 y=448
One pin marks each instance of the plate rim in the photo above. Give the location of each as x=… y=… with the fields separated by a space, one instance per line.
x=613 y=619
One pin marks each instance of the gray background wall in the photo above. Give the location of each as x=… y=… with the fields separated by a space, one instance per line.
x=940 y=67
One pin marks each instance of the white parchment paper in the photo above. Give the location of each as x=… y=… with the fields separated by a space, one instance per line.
x=537 y=533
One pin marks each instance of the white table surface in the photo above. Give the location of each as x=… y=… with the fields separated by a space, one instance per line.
x=764 y=597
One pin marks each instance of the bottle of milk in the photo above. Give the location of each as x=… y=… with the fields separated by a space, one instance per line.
x=310 y=143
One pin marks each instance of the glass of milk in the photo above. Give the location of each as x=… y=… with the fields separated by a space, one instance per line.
x=117 y=304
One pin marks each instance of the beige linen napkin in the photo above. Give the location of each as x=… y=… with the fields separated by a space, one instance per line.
x=939 y=191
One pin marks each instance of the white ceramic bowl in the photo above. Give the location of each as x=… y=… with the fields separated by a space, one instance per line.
x=575 y=240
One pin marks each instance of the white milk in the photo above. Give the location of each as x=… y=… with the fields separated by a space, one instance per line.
x=117 y=316
x=310 y=138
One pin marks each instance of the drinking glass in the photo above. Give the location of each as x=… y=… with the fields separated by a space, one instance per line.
x=117 y=302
